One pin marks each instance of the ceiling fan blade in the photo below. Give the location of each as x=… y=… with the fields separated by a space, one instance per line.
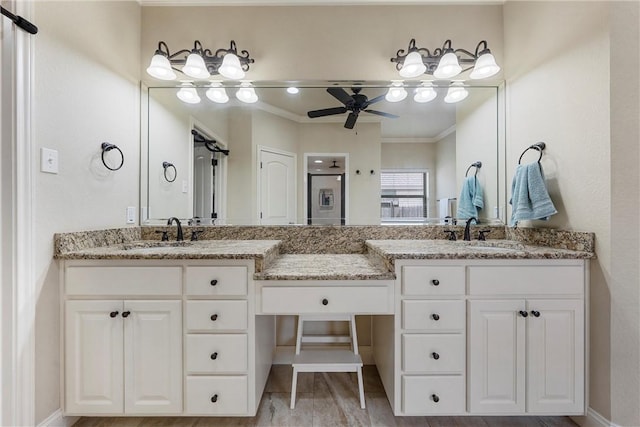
x=340 y=94
x=351 y=121
x=326 y=112
x=381 y=113
x=376 y=99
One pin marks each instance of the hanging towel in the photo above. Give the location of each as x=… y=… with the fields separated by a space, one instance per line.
x=471 y=198
x=529 y=196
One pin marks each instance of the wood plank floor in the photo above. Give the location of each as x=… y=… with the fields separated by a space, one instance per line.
x=325 y=399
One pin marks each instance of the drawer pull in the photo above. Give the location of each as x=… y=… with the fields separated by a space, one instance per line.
x=214 y=317
x=535 y=313
x=214 y=398
x=214 y=356
x=435 y=317
x=325 y=301
x=214 y=282
x=435 y=398
x=126 y=313
x=435 y=355
x=113 y=314
x=523 y=313
x=435 y=282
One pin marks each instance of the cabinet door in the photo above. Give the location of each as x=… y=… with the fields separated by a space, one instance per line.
x=93 y=357
x=496 y=357
x=153 y=357
x=555 y=356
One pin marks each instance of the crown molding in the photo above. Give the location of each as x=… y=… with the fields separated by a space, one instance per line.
x=320 y=2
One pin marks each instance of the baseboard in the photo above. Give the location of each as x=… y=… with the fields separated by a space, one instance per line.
x=58 y=420
x=593 y=419
x=284 y=354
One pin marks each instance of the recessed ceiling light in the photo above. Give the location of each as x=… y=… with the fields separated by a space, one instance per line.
x=319 y=170
x=293 y=90
x=317 y=161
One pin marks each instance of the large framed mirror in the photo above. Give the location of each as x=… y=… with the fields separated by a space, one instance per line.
x=274 y=160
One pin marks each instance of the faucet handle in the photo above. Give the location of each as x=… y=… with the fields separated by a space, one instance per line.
x=452 y=234
x=165 y=235
x=195 y=233
x=481 y=234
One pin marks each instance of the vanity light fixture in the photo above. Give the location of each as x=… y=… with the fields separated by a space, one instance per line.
x=425 y=93
x=456 y=93
x=396 y=92
x=445 y=62
x=246 y=93
x=217 y=93
x=293 y=90
x=317 y=161
x=188 y=93
x=199 y=63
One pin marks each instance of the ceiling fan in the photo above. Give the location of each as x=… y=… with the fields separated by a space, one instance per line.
x=355 y=104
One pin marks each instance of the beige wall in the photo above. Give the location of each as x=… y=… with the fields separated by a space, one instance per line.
x=86 y=91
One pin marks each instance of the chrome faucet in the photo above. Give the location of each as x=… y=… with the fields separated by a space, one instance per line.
x=180 y=235
x=467 y=235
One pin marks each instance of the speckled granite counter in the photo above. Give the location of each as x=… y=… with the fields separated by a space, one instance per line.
x=324 y=267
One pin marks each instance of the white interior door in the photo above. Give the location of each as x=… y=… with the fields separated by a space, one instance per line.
x=203 y=185
x=277 y=187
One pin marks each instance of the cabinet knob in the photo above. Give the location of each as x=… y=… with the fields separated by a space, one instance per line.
x=435 y=398
x=214 y=282
x=523 y=313
x=214 y=356
x=214 y=317
x=325 y=301
x=435 y=317
x=126 y=313
x=214 y=398
x=535 y=313
x=113 y=314
x=435 y=282
x=435 y=355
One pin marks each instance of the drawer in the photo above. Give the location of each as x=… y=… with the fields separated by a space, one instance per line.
x=216 y=395
x=433 y=353
x=210 y=354
x=427 y=395
x=123 y=281
x=204 y=316
x=526 y=280
x=434 y=315
x=213 y=281
x=319 y=299
x=419 y=280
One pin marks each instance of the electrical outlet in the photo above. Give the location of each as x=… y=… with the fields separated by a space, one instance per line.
x=48 y=160
x=131 y=215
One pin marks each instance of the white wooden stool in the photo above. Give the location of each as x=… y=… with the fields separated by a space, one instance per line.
x=326 y=360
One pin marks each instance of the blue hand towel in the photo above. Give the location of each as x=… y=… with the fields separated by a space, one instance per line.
x=529 y=196
x=471 y=198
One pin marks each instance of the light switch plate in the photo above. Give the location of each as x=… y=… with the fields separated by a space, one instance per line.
x=131 y=215
x=48 y=160
x=185 y=186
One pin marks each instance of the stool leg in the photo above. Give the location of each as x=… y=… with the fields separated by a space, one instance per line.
x=361 y=387
x=294 y=383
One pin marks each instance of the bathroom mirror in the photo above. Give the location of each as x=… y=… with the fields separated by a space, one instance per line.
x=400 y=162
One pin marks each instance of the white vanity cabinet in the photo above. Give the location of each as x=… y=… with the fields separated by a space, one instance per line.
x=485 y=337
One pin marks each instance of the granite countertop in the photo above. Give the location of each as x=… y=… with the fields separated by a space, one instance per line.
x=325 y=267
x=390 y=250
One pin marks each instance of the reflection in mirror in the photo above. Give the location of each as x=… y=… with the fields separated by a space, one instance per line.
x=399 y=162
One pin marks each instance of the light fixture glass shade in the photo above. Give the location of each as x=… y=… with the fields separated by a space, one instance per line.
x=188 y=94
x=160 y=68
x=412 y=66
x=293 y=90
x=424 y=94
x=485 y=67
x=396 y=93
x=231 y=68
x=195 y=67
x=217 y=94
x=247 y=94
x=447 y=67
x=455 y=94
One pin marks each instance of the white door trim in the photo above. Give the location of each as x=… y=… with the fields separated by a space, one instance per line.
x=346 y=182
x=19 y=372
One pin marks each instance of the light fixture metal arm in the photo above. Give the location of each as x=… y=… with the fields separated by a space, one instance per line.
x=213 y=61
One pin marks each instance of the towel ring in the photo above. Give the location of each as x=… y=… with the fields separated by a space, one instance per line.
x=540 y=146
x=476 y=165
x=167 y=165
x=106 y=147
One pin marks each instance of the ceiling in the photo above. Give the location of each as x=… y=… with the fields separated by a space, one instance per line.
x=313 y=2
